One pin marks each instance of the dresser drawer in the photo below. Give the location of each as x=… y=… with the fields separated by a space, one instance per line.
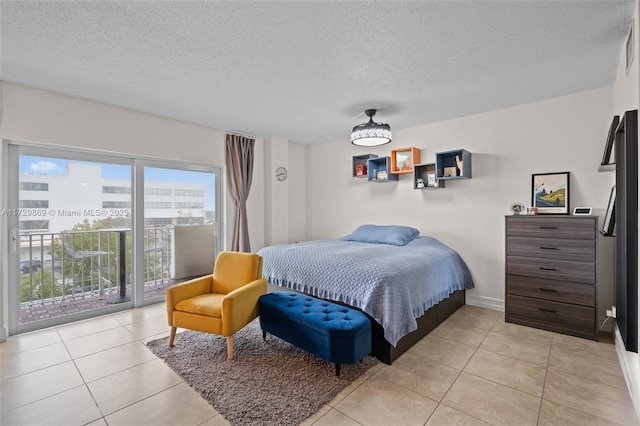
x=558 y=291
x=552 y=248
x=557 y=270
x=553 y=316
x=549 y=227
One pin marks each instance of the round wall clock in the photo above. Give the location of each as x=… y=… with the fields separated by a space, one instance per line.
x=281 y=174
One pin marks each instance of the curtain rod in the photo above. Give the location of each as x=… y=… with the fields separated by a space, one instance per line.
x=241 y=133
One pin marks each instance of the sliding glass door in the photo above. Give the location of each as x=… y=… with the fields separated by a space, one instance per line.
x=180 y=225
x=93 y=233
x=69 y=218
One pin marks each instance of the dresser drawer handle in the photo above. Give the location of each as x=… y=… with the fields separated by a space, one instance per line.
x=547 y=227
x=548 y=248
x=552 y=311
x=549 y=290
x=548 y=269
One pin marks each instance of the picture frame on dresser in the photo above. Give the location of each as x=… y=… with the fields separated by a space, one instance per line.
x=550 y=193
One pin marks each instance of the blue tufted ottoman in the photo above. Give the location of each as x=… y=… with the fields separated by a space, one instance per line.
x=330 y=331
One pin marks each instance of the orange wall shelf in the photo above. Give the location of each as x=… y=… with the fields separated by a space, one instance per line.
x=403 y=160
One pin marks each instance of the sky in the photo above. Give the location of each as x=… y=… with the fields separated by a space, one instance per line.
x=58 y=166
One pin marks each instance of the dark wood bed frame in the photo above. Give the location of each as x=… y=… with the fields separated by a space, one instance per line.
x=434 y=316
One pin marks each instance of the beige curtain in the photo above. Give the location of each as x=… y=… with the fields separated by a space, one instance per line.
x=239 y=173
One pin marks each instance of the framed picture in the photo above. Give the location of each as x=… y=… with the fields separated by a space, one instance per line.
x=611 y=137
x=550 y=193
x=404 y=161
x=608 y=226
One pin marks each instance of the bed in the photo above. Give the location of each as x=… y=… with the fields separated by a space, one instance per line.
x=407 y=284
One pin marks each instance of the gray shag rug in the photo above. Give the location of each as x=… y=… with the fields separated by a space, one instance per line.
x=267 y=383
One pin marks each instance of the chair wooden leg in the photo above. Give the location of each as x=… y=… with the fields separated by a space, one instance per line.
x=172 y=336
x=230 y=347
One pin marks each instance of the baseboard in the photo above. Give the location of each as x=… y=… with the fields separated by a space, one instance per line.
x=485 y=302
x=630 y=364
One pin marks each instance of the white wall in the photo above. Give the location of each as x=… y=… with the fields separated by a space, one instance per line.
x=284 y=209
x=507 y=146
x=297 y=193
x=276 y=207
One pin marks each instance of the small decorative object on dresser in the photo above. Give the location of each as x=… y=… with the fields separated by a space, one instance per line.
x=550 y=193
x=517 y=208
x=551 y=273
x=582 y=211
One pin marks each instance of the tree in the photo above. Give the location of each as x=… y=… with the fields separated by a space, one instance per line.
x=39 y=285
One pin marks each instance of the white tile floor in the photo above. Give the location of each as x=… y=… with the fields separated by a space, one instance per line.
x=472 y=370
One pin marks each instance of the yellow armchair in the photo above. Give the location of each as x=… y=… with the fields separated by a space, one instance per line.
x=221 y=303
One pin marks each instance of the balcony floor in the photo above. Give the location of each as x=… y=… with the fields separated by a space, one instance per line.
x=54 y=308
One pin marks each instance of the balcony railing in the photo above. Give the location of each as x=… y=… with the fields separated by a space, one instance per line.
x=62 y=273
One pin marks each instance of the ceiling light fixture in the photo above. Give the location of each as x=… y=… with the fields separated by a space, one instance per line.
x=371 y=133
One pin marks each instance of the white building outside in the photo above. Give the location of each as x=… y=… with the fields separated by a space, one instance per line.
x=53 y=203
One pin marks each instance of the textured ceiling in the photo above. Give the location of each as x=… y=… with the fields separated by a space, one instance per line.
x=306 y=71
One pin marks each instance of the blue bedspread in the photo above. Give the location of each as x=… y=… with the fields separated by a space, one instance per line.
x=393 y=284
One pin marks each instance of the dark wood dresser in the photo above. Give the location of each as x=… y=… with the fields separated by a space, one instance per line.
x=551 y=273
